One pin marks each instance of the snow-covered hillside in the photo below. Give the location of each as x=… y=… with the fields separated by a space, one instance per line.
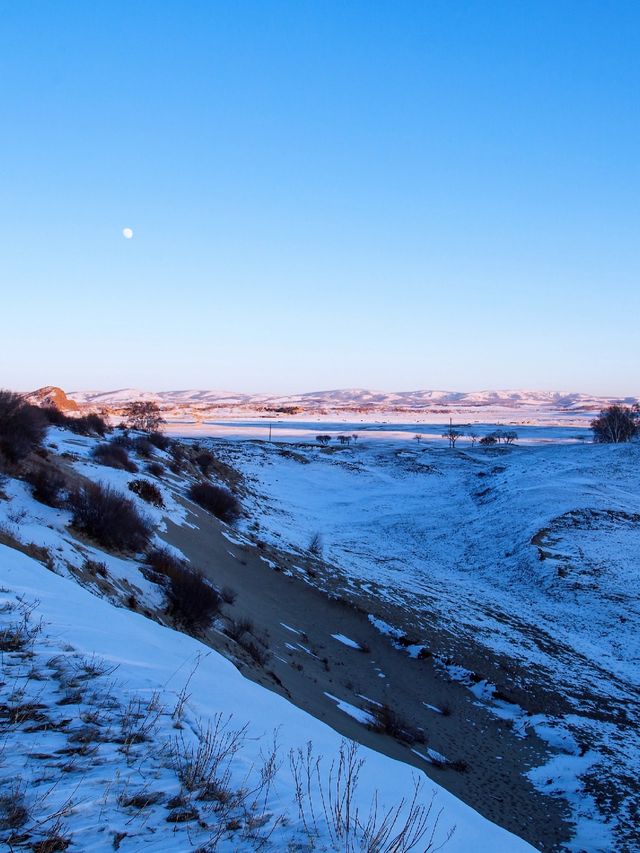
x=119 y=732
x=516 y=566
x=522 y=403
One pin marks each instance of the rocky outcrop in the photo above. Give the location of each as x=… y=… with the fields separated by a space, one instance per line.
x=50 y=395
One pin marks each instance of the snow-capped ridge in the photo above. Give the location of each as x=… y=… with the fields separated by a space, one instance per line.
x=358 y=398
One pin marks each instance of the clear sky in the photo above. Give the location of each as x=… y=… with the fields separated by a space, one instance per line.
x=394 y=195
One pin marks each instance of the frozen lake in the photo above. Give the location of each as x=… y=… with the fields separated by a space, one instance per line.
x=291 y=430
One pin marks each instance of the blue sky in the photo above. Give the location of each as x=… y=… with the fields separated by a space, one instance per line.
x=331 y=194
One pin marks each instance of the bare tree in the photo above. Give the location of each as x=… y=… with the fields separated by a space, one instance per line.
x=452 y=435
x=509 y=436
x=489 y=439
x=474 y=438
x=144 y=415
x=616 y=425
x=417 y=437
x=344 y=439
x=323 y=439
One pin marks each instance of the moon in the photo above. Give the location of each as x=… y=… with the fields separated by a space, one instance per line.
x=127 y=233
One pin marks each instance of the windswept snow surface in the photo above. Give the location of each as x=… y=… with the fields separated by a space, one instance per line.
x=105 y=670
x=532 y=552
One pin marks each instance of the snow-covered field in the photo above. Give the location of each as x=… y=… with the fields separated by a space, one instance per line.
x=529 y=552
x=569 y=430
x=120 y=733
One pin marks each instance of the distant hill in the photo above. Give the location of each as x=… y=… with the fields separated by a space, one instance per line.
x=51 y=395
x=351 y=399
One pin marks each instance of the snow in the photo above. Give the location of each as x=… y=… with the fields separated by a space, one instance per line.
x=346 y=641
x=357 y=400
x=358 y=714
x=531 y=551
x=289 y=628
x=168 y=679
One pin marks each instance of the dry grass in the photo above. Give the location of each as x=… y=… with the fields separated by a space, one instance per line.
x=388 y=721
x=407 y=826
x=38 y=552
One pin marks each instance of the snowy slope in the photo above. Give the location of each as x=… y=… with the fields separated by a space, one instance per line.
x=103 y=713
x=532 y=553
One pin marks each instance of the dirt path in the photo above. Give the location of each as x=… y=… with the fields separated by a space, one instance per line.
x=297 y=621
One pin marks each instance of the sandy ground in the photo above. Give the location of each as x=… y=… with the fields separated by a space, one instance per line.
x=307 y=665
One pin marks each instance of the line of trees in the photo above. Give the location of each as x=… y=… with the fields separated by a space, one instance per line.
x=498 y=436
x=325 y=438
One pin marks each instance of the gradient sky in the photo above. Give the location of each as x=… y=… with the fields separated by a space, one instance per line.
x=323 y=194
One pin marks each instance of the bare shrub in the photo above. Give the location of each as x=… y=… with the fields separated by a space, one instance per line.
x=94 y=567
x=216 y=500
x=159 y=440
x=387 y=721
x=114 y=456
x=402 y=828
x=108 y=517
x=228 y=594
x=149 y=492
x=143 y=447
x=206 y=764
x=54 y=842
x=315 y=546
x=205 y=460
x=138 y=721
x=15 y=637
x=191 y=600
x=91 y=424
x=124 y=439
x=47 y=485
x=22 y=427
x=243 y=632
x=54 y=416
x=156 y=469
x=140 y=799
x=19 y=636
x=13 y=808
x=237 y=628
x=257 y=652
x=165 y=562
x=178 y=451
